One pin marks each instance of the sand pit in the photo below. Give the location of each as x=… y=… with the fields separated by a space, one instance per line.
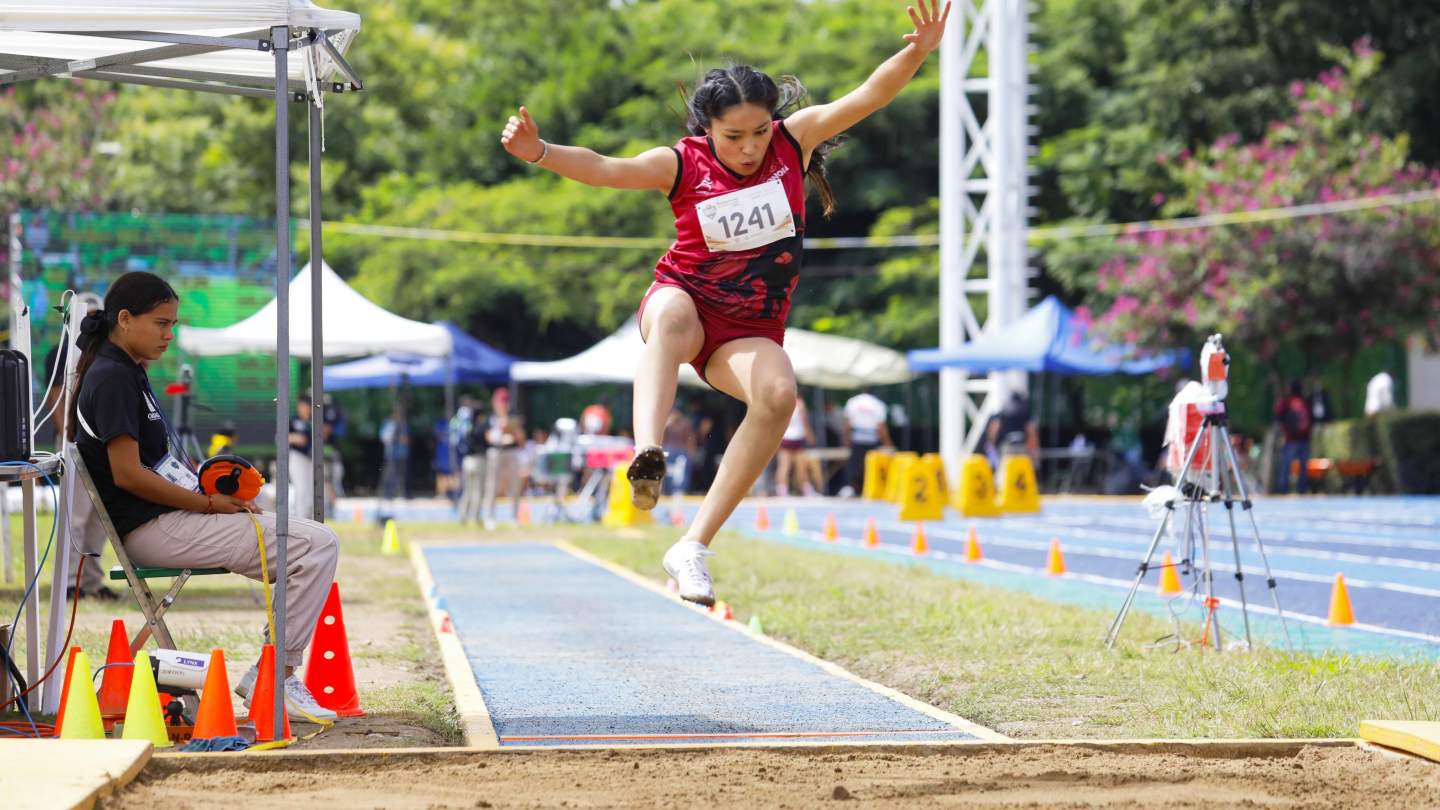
x=983 y=775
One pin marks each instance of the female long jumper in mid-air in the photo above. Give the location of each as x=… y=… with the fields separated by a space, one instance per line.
x=722 y=290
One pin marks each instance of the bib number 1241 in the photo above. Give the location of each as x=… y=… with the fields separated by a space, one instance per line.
x=747 y=218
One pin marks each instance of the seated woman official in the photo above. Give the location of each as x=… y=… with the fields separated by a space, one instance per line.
x=148 y=487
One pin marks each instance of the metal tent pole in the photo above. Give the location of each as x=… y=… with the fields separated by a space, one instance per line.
x=317 y=332
x=280 y=37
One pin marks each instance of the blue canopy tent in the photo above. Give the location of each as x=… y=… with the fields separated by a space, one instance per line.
x=471 y=361
x=1049 y=339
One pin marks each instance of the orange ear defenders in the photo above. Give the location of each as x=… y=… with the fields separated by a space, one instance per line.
x=230 y=475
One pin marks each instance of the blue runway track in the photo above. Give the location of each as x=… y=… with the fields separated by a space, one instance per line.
x=566 y=652
x=1388 y=549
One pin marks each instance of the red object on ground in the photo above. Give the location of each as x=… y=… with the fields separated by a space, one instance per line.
x=329 y=676
x=119 y=667
x=262 y=700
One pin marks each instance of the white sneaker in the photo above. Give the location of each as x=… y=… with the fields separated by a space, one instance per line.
x=299 y=702
x=685 y=561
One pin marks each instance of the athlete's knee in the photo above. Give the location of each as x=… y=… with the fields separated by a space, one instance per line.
x=676 y=323
x=775 y=398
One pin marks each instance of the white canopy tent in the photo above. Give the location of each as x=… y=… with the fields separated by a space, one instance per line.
x=211 y=45
x=823 y=361
x=353 y=325
x=233 y=47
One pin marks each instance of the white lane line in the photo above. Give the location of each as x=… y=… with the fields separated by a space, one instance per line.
x=1124 y=584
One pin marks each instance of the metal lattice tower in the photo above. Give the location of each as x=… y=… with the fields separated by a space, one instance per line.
x=984 y=203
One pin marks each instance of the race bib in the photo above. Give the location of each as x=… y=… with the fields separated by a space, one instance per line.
x=176 y=473
x=746 y=219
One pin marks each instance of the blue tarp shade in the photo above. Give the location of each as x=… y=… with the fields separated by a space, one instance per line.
x=474 y=362
x=1048 y=338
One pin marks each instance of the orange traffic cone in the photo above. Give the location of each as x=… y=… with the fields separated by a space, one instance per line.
x=358 y=517
x=918 y=544
x=329 y=676
x=677 y=518
x=1055 y=564
x=762 y=519
x=972 y=546
x=262 y=701
x=216 y=717
x=522 y=515
x=1169 y=580
x=119 y=669
x=1340 y=612
x=872 y=535
x=832 y=529
x=723 y=611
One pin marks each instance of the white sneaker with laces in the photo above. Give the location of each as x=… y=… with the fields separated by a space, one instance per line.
x=685 y=561
x=299 y=702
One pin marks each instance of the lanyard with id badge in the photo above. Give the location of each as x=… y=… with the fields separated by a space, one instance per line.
x=746 y=219
x=169 y=467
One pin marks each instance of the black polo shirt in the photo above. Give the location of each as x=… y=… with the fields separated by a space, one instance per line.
x=116 y=400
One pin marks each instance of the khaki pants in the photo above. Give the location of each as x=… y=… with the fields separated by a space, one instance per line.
x=194 y=540
x=502 y=472
x=472 y=488
x=89 y=536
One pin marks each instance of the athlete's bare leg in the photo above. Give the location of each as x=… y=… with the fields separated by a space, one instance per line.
x=671 y=329
x=757 y=372
x=672 y=333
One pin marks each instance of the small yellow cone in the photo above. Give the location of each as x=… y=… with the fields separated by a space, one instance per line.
x=390 y=543
x=792 y=523
x=972 y=546
x=143 y=718
x=1169 y=579
x=1340 y=612
x=832 y=529
x=755 y=626
x=1055 y=563
x=82 y=708
x=872 y=535
x=762 y=519
x=918 y=544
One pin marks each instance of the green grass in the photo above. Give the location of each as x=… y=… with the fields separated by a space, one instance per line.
x=1028 y=667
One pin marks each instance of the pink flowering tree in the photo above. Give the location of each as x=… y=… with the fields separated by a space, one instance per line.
x=1326 y=285
x=49 y=152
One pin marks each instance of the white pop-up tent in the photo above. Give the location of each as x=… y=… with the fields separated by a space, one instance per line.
x=233 y=47
x=822 y=361
x=353 y=325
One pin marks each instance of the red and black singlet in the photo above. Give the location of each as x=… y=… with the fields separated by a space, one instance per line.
x=751 y=283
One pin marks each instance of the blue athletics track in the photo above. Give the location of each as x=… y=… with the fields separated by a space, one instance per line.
x=1388 y=549
x=569 y=652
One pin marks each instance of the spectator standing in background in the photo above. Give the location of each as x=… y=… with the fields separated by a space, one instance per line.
x=1293 y=414
x=1379 y=393
x=865 y=430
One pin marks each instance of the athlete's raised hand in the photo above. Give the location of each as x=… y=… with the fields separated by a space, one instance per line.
x=929 y=25
x=521 y=137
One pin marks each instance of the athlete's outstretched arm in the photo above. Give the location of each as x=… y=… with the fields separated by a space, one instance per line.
x=813 y=126
x=651 y=169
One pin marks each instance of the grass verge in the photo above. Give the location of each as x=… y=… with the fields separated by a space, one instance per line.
x=1027 y=667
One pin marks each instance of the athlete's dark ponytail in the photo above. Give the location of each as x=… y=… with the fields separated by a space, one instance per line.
x=722 y=89
x=136 y=292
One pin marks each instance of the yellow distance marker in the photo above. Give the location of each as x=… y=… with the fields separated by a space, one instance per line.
x=976 y=496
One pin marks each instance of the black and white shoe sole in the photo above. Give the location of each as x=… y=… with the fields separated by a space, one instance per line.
x=646 y=473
